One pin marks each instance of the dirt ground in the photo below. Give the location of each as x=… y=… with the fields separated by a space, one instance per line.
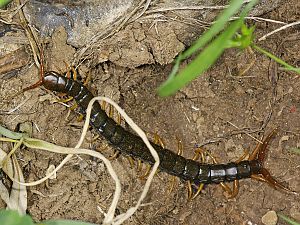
x=242 y=97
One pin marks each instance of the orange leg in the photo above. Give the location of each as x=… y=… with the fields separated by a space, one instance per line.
x=114 y=156
x=199 y=153
x=232 y=192
x=145 y=175
x=74 y=73
x=173 y=178
x=68 y=73
x=131 y=161
x=159 y=141
x=235 y=186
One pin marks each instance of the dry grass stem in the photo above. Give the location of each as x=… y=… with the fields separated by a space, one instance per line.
x=279 y=29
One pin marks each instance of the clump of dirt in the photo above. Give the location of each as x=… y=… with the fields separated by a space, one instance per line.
x=236 y=102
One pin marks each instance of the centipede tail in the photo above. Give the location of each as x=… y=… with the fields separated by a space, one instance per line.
x=172 y=163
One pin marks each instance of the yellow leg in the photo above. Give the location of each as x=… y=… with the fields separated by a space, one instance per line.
x=200 y=188
x=74 y=73
x=158 y=140
x=73 y=107
x=103 y=105
x=80 y=118
x=232 y=192
x=173 y=178
x=131 y=161
x=139 y=165
x=66 y=100
x=172 y=184
x=199 y=153
x=190 y=190
x=114 y=156
x=145 y=175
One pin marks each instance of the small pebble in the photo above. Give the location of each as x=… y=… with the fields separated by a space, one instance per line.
x=270 y=218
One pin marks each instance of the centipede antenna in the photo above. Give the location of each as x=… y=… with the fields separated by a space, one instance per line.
x=42 y=73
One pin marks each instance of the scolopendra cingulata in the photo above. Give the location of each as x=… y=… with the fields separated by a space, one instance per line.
x=171 y=163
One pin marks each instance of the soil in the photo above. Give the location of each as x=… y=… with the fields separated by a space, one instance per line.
x=243 y=97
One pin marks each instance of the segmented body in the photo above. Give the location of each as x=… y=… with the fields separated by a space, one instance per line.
x=132 y=145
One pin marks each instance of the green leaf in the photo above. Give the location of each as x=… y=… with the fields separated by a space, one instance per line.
x=207 y=36
x=296 y=150
x=293 y=222
x=4 y=3
x=218 y=26
x=10 y=217
x=276 y=59
x=205 y=59
x=10 y=134
x=200 y=64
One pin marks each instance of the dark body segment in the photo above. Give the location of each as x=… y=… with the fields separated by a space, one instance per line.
x=132 y=145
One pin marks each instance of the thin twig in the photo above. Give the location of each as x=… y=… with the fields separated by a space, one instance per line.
x=185 y=8
x=29 y=33
x=279 y=29
x=18 y=106
x=106 y=33
x=146 y=6
x=245 y=132
x=261 y=19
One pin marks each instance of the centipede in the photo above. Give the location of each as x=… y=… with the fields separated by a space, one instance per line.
x=174 y=164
